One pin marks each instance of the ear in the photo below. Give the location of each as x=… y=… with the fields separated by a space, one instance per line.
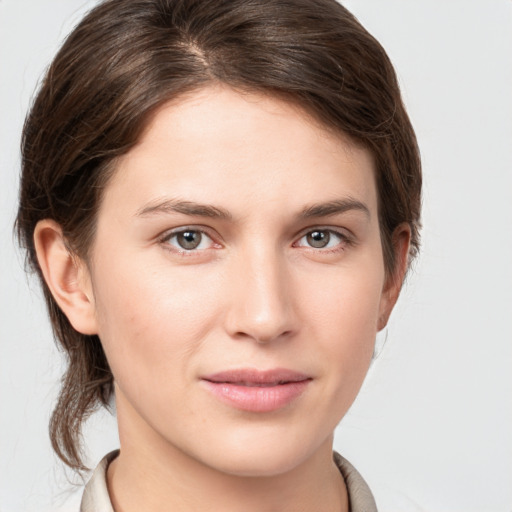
x=401 y=241
x=66 y=275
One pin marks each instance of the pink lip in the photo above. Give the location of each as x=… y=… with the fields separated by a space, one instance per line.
x=257 y=391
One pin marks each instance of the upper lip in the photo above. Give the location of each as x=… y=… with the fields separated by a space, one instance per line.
x=251 y=376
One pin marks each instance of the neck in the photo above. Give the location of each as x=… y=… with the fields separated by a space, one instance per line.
x=134 y=487
x=152 y=475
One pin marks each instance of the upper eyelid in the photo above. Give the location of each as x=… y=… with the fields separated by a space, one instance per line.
x=343 y=232
x=168 y=233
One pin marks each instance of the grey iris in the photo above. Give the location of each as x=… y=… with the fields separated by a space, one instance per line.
x=189 y=239
x=318 y=239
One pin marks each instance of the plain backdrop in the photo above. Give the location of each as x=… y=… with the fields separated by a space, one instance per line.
x=432 y=427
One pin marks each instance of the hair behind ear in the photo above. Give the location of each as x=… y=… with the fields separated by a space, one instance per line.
x=88 y=381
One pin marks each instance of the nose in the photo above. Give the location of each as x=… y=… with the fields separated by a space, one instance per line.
x=261 y=301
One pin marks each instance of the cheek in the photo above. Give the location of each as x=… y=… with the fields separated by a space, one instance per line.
x=151 y=320
x=344 y=311
x=348 y=300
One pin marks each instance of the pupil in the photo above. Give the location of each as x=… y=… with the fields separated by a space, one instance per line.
x=189 y=239
x=318 y=239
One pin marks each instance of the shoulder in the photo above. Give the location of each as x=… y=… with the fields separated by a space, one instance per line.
x=360 y=497
x=95 y=497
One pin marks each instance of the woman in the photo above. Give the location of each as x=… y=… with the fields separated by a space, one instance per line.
x=221 y=200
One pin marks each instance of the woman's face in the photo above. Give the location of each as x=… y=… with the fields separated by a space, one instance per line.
x=238 y=282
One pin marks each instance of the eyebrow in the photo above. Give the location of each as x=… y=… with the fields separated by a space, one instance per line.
x=335 y=207
x=184 y=207
x=327 y=209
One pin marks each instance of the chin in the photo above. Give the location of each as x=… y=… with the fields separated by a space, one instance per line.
x=263 y=455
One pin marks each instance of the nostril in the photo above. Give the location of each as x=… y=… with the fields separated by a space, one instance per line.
x=262 y=338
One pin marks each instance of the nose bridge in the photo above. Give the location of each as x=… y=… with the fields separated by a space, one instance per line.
x=261 y=307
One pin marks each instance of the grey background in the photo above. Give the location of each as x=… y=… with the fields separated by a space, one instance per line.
x=431 y=429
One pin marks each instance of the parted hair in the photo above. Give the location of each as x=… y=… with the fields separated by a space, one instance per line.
x=128 y=57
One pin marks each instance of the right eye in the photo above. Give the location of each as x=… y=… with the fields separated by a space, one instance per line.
x=188 y=240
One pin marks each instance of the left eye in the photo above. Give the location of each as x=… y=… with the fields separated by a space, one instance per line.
x=321 y=239
x=189 y=240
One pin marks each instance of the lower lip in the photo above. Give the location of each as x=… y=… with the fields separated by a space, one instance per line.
x=257 y=398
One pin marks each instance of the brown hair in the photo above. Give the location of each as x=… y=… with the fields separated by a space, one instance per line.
x=126 y=58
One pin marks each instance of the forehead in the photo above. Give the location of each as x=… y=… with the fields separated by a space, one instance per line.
x=217 y=143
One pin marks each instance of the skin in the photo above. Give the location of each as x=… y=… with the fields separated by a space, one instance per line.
x=254 y=294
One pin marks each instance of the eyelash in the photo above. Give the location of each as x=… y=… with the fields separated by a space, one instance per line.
x=344 y=240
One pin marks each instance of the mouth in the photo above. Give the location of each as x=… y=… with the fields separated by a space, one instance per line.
x=257 y=391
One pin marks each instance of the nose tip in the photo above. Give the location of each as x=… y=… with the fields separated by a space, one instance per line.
x=261 y=305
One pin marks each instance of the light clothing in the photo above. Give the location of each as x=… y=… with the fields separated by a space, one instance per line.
x=96 y=498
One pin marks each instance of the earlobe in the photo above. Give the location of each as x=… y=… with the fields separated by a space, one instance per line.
x=401 y=242
x=66 y=276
